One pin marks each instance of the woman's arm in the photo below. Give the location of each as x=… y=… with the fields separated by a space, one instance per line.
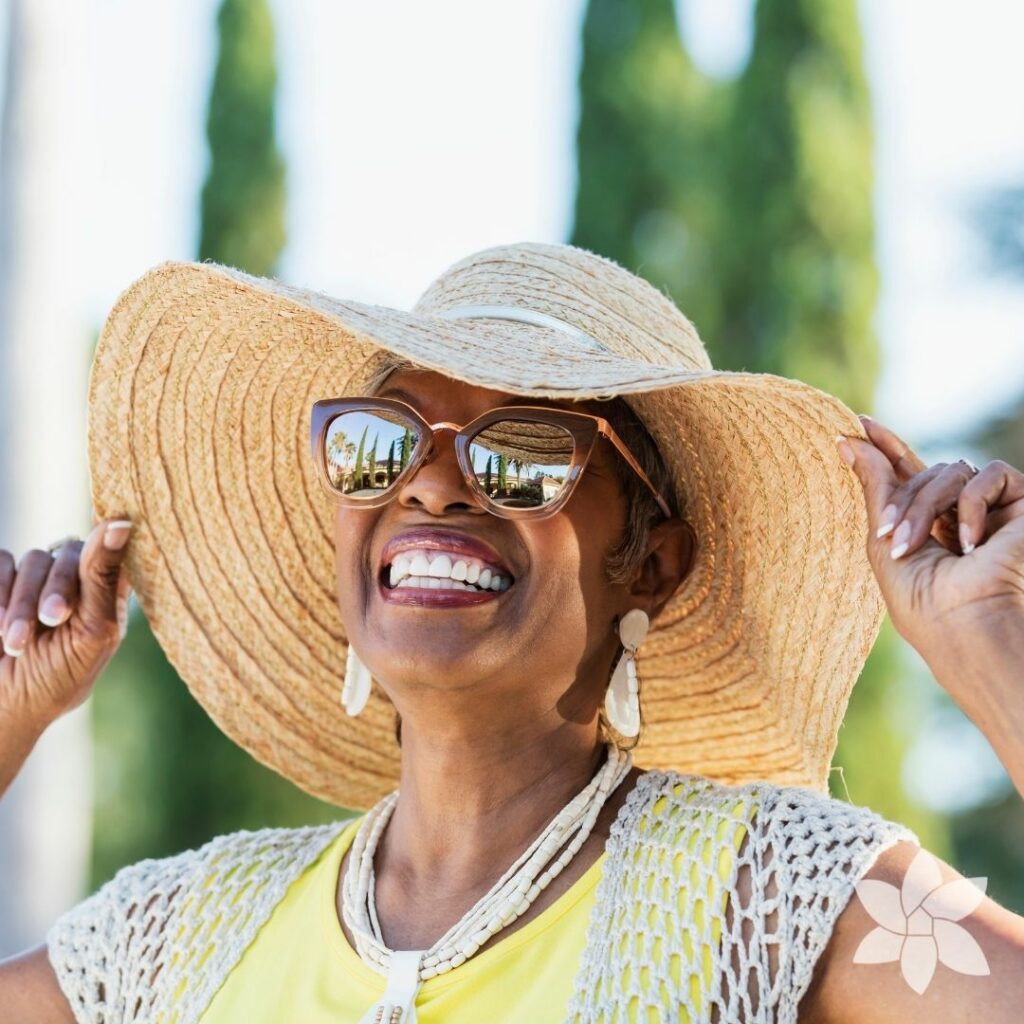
x=49 y=665
x=882 y=966
x=919 y=942
x=29 y=993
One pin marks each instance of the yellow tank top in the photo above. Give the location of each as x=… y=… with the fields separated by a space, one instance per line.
x=300 y=967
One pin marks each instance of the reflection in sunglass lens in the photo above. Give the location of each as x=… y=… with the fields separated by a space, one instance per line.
x=366 y=450
x=521 y=463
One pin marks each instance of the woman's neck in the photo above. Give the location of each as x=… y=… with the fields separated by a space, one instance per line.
x=469 y=804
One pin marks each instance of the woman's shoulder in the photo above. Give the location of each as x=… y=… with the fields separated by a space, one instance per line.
x=210 y=898
x=785 y=814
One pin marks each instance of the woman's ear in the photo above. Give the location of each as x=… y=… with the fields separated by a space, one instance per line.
x=671 y=548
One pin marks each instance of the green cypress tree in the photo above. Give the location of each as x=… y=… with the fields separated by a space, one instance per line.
x=647 y=193
x=487 y=474
x=244 y=195
x=502 y=473
x=371 y=461
x=357 y=480
x=406 y=449
x=171 y=779
x=391 y=461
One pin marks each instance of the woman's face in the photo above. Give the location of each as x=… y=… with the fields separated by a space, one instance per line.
x=544 y=646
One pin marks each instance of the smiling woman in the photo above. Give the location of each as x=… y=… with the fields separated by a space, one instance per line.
x=618 y=611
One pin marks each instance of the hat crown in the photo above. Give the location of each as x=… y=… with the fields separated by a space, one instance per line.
x=623 y=313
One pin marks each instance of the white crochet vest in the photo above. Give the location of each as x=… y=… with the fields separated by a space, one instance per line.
x=155 y=942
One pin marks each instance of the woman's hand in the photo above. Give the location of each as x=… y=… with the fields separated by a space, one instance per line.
x=66 y=614
x=957 y=598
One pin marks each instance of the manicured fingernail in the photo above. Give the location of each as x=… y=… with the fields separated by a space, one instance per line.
x=965 y=539
x=53 y=610
x=888 y=520
x=845 y=450
x=116 y=535
x=16 y=638
x=900 y=539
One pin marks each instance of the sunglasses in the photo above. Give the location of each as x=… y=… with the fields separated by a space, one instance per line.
x=519 y=461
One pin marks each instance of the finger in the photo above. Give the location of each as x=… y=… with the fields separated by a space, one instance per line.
x=997 y=486
x=901 y=499
x=904 y=459
x=6 y=583
x=21 y=624
x=60 y=591
x=100 y=572
x=940 y=493
x=875 y=472
x=124 y=592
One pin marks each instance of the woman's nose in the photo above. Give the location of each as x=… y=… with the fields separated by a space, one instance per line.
x=437 y=484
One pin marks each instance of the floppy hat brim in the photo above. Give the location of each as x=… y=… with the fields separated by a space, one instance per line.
x=199 y=402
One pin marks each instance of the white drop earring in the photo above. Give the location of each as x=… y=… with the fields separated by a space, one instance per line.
x=355 y=691
x=622 y=700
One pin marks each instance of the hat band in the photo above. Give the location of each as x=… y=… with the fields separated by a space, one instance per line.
x=526 y=316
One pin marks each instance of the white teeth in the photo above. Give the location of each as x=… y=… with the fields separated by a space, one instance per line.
x=414 y=565
x=441 y=566
x=432 y=583
x=419 y=566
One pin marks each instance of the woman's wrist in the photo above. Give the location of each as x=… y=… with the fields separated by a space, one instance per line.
x=987 y=682
x=19 y=732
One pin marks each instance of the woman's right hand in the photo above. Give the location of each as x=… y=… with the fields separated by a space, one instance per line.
x=65 y=616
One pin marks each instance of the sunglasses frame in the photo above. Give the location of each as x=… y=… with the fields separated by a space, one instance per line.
x=585 y=429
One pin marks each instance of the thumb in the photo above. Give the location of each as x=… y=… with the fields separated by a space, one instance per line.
x=874 y=471
x=100 y=571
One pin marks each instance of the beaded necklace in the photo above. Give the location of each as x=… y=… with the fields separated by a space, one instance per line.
x=509 y=898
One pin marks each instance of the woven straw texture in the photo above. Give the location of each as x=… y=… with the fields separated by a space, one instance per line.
x=199 y=406
x=156 y=942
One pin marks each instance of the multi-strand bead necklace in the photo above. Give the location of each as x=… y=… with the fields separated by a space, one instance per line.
x=509 y=898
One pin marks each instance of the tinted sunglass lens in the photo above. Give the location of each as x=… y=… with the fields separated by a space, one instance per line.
x=365 y=450
x=522 y=463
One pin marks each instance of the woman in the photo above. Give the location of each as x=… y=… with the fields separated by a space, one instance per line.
x=624 y=553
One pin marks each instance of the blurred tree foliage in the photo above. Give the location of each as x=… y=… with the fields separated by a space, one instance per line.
x=242 y=208
x=167 y=778
x=749 y=202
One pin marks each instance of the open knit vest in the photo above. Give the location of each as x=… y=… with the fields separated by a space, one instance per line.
x=156 y=942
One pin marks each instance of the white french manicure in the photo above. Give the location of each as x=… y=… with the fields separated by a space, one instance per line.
x=888 y=520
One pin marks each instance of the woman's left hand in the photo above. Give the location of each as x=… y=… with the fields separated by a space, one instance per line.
x=951 y=596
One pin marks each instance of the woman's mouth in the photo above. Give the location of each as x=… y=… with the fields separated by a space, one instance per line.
x=432 y=577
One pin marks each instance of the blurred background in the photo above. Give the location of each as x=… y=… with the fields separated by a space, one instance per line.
x=832 y=190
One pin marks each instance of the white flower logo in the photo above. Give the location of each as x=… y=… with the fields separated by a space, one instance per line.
x=918 y=923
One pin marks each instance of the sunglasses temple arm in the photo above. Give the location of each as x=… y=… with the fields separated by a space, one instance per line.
x=606 y=429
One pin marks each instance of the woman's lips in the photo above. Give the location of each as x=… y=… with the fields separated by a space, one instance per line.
x=428 y=597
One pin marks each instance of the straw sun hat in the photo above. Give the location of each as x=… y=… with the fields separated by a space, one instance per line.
x=199 y=419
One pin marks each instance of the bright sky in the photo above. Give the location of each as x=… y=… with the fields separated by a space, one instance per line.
x=416 y=133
